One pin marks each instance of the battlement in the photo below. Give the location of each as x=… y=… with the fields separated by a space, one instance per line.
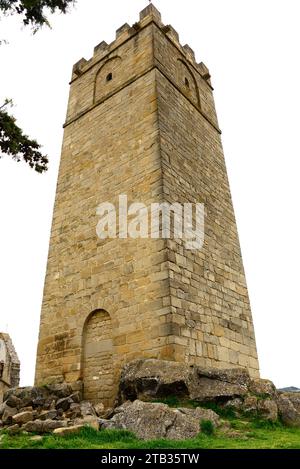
x=150 y=14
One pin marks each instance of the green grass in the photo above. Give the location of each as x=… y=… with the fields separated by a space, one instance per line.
x=243 y=434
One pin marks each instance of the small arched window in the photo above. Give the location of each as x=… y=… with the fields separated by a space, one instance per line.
x=186 y=82
x=109 y=77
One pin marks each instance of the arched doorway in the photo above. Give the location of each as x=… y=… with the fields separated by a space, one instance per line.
x=97 y=362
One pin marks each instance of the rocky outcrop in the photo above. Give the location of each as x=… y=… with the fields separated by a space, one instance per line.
x=145 y=387
x=150 y=421
x=232 y=388
x=45 y=409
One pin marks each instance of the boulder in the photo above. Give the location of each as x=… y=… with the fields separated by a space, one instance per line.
x=64 y=403
x=294 y=397
x=287 y=412
x=150 y=421
x=267 y=409
x=149 y=378
x=13 y=401
x=22 y=418
x=43 y=426
x=262 y=388
x=218 y=385
x=153 y=378
x=87 y=408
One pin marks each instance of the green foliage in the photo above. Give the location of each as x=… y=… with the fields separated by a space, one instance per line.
x=225 y=412
x=207 y=427
x=171 y=401
x=33 y=12
x=14 y=143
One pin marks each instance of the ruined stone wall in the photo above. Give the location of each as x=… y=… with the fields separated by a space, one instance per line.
x=9 y=365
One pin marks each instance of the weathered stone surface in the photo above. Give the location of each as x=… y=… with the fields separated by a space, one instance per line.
x=294 y=397
x=64 y=403
x=154 y=378
x=48 y=415
x=262 y=387
x=153 y=420
x=68 y=430
x=218 y=385
x=43 y=426
x=34 y=427
x=14 y=401
x=234 y=404
x=150 y=378
x=22 y=418
x=267 y=409
x=287 y=412
x=7 y=415
x=87 y=408
x=88 y=421
x=250 y=405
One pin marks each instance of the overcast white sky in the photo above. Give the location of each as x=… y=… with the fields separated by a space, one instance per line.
x=252 y=50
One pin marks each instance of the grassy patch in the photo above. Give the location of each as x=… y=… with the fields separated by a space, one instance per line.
x=248 y=434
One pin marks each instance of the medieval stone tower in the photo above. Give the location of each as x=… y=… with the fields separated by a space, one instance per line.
x=141 y=121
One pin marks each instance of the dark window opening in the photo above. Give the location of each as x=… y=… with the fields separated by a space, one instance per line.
x=109 y=77
x=186 y=82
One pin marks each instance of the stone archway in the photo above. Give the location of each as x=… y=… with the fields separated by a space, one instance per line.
x=97 y=360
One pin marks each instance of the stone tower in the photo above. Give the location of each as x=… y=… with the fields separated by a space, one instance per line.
x=141 y=121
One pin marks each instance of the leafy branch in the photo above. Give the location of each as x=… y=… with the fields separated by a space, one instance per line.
x=14 y=143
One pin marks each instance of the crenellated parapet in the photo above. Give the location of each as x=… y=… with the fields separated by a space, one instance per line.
x=125 y=32
x=146 y=45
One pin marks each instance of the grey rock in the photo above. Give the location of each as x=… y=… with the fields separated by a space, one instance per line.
x=43 y=426
x=250 y=405
x=153 y=420
x=218 y=385
x=294 y=397
x=153 y=378
x=64 y=403
x=87 y=408
x=48 y=415
x=287 y=412
x=8 y=414
x=267 y=409
x=262 y=387
x=22 y=418
x=150 y=378
x=13 y=401
x=59 y=390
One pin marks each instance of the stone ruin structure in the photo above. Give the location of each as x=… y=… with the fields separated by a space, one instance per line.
x=9 y=365
x=141 y=121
